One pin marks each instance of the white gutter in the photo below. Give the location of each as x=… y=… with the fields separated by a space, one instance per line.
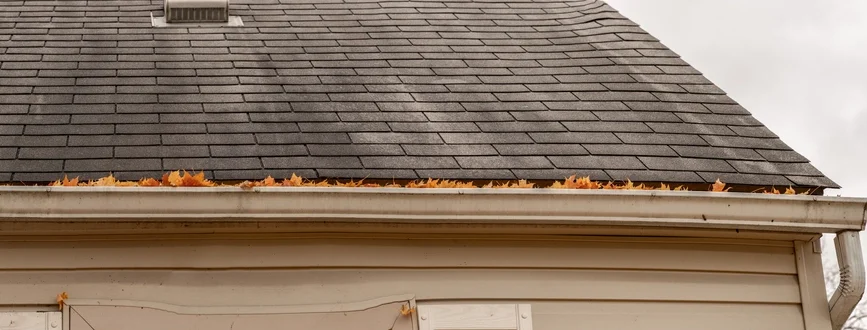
x=706 y=210
x=851 y=287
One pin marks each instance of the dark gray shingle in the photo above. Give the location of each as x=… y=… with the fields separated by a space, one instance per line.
x=463 y=90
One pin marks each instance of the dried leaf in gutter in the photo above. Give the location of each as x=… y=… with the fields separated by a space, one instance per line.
x=435 y=183
x=663 y=186
x=267 y=182
x=773 y=191
x=149 y=182
x=106 y=181
x=294 y=181
x=574 y=182
x=628 y=185
x=197 y=180
x=172 y=179
x=351 y=184
x=66 y=182
x=186 y=179
x=719 y=186
x=247 y=185
x=521 y=184
x=317 y=184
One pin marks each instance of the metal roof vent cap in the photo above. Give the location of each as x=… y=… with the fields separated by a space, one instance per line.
x=196 y=11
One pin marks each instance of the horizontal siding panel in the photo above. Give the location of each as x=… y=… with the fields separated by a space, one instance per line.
x=280 y=287
x=659 y=254
x=136 y=318
x=546 y=316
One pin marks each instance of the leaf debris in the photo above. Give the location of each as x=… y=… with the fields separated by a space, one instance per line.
x=61 y=298
x=186 y=179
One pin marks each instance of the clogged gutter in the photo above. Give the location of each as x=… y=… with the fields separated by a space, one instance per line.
x=186 y=179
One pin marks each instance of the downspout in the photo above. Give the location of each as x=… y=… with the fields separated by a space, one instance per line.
x=852 y=278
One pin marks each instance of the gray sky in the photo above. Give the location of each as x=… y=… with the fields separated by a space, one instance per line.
x=800 y=66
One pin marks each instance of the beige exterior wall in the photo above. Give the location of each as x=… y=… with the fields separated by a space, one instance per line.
x=595 y=282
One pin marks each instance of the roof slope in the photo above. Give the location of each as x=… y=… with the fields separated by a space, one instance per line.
x=532 y=89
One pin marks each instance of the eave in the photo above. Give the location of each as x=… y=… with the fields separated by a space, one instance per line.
x=29 y=210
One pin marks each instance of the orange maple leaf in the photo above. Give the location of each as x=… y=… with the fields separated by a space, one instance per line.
x=350 y=184
x=455 y=184
x=105 y=181
x=316 y=184
x=629 y=185
x=405 y=310
x=436 y=183
x=197 y=180
x=515 y=185
x=719 y=186
x=149 y=182
x=790 y=191
x=269 y=182
x=429 y=183
x=172 y=179
x=773 y=191
x=246 y=185
x=574 y=182
x=294 y=181
x=61 y=297
x=66 y=182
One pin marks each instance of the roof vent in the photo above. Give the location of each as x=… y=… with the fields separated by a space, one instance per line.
x=197 y=11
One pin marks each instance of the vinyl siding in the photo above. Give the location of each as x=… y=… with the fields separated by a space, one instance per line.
x=595 y=282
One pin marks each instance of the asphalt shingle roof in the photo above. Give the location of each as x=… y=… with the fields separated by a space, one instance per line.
x=499 y=89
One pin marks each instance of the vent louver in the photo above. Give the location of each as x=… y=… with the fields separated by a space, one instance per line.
x=196 y=11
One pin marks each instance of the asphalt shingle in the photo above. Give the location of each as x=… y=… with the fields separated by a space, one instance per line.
x=510 y=89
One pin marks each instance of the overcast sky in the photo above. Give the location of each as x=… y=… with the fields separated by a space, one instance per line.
x=800 y=66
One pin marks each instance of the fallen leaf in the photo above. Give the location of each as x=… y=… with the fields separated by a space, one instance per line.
x=681 y=188
x=405 y=310
x=173 y=179
x=294 y=181
x=521 y=184
x=574 y=182
x=197 y=180
x=106 y=181
x=350 y=184
x=61 y=297
x=719 y=186
x=66 y=182
x=790 y=191
x=149 y=182
x=436 y=183
x=316 y=184
x=773 y=191
x=247 y=185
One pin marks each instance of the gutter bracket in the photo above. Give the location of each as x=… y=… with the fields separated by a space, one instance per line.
x=852 y=278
